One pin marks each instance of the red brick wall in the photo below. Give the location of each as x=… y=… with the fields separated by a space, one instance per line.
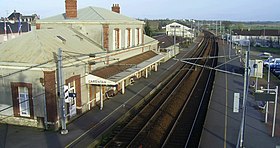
x=117 y=38
x=138 y=37
x=71 y=8
x=106 y=36
x=128 y=36
x=15 y=95
x=50 y=93
x=38 y=26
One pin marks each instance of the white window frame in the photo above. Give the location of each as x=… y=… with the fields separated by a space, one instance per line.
x=73 y=101
x=23 y=98
x=126 y=38
x=140 y=36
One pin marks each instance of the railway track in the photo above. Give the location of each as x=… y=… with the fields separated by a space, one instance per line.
x=160 y=117
x=187 y=129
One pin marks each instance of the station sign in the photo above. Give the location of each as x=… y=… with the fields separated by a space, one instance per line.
x=95 y=80
x=236 y=102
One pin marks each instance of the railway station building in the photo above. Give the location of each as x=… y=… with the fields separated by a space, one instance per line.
x=178 y=30
x=262 y=37
x=103 y=52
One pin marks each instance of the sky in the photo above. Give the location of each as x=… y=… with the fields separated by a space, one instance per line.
x=232 y=10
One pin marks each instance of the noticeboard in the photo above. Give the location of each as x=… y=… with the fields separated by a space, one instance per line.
x=256 y=68
x=264 y=96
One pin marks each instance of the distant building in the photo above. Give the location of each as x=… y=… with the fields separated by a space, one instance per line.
x=17 y=16
x=178 y=30
x=264 y=37
x=15 y=24
x=166 y=45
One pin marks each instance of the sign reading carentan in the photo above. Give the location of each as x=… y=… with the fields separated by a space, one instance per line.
x=92 y=79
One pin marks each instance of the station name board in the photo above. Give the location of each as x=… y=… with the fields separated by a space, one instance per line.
x=91 y=79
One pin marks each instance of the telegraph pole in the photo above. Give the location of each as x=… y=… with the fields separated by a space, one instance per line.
x=61 y=92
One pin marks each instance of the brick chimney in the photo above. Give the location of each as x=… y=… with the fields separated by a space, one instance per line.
x=116 y=8
x=71 y=8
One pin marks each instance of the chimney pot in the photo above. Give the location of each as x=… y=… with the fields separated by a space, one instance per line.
x=116 y=8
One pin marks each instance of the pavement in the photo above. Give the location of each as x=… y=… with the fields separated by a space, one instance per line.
x=222 y=125
x=93 y=121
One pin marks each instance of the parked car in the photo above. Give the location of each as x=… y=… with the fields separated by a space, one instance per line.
x=268 y=61
x=265 y=55
x=275 y=65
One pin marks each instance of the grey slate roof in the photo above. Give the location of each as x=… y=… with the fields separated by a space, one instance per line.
x=37 y=47
x=166 y=41
x=92 y=15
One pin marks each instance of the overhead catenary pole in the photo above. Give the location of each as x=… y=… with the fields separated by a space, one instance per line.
x=174 y=40
x=61 y=93
x=230 y=44
x=268 y=81
x=245 y=95
x=101 y=97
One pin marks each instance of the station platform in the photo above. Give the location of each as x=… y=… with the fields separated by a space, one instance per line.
x=222 y=125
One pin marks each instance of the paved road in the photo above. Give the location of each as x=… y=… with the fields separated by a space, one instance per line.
x=221 y=127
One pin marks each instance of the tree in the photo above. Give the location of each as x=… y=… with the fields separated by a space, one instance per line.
x=227 y=24
x=240 y=26
x=148 y=30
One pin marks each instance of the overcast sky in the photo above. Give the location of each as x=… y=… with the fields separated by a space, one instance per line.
x=237 y=10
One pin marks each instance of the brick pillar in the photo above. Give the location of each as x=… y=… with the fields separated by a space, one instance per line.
x=118 y=38
x=71 y=8
x=38 y=26
x=106 y=36
x=128 y=36
x=50 y=94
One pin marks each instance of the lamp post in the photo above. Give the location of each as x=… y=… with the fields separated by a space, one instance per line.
x=230 y=44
